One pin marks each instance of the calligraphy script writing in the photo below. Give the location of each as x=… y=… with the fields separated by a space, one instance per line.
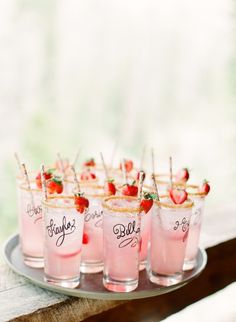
x=122 y=231
x=34 y=211
x=184 y=224
x=96 y=215
x=63 y=230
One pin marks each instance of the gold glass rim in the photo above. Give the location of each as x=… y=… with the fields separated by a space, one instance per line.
x=187 y=204
x=195 y=194
x=23 y=186
x=50 y=205
x=121 y=209
x=83 y=182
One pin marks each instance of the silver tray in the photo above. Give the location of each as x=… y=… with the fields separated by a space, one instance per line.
x=91 y=284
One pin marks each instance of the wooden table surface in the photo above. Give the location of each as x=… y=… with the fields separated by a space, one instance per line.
x=22 y=301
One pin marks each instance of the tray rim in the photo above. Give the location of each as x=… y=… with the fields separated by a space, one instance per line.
x=13 y=241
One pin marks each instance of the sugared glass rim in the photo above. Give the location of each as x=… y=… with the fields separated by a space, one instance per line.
x=95 y=180
x=121 y=209
x=95 y=195
x=187 y=204
x=23 y=186
x=50 y=205
x=197 y=193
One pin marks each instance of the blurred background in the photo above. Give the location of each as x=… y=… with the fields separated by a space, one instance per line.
x=88 y=73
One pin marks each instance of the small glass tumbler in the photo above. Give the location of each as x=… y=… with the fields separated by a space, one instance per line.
x=92 y=250
x=121 y=227
x=169 y=235
x=63 y=230
x=30 y=224
x=198 y=198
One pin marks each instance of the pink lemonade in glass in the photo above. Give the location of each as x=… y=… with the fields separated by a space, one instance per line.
x=92 y=250
x=30 y=224
x=169 y=235
x=63 y=229
x=194 y=230
x=145 y=238
x=121 y=227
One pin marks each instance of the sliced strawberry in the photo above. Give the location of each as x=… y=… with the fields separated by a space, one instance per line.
x=205 y=188
x=87 y=175
x=138 y=175
x=130 y=190
x=81 y=203
x=109 y=188
x=178 y=196
x=128 y=165
x=85 y=238
x=90 y=163
x=146 y=202
x=51 y=186
x=182 y=175
x=47 y=175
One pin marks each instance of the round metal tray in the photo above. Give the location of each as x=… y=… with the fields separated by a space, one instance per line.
x=91 y=284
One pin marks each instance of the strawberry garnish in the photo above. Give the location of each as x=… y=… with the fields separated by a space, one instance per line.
x=130 y=190
x=205 y=188
x=85 y=238
x=128 y=165
x=146 y=202
x=178 y=196
x=89 y=163
x=47 y=175
x=55 y=185
x=109 y=187
x=138 y=175
x=87 y=175
x=81 y=202
x=182 y=175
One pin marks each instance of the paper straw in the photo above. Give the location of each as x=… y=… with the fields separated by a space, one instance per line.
x=43 y=180
x=104 y=166
x=19 y=164
x=155 y=186
x=124 y=171
x=76 y=181
x=27 y=182
x=77 y=157
x=140 y=185
x=171 y=174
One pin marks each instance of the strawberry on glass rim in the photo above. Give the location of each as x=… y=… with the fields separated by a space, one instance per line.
x=128 y=166
x=146 y=202
x=81 y=202
x=89 y=163
x=205 y=188
x=109 y=187
x=182 y=175
x=87 y=175
x=178 y=196
x=54 y=185
x=47 y=175
x=130 y=189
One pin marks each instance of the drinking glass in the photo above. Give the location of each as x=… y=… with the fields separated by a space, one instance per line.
x=169 y=235
x=30 y=224
x=195 y=226
x=63 y=231
x=121 y=227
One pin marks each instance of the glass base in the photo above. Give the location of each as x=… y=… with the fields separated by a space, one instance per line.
x=70 y=283
x=189 y=264
x=91 y=267
x=119 y=286
x=142 y=265
x=165 y=280
x=36 y=262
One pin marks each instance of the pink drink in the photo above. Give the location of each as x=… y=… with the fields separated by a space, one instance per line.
x=92 y=250
x=169 y=235
x=63 y=226
x=30 y=223
x=121 y=227
x=145 y=238
x=194 y=232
